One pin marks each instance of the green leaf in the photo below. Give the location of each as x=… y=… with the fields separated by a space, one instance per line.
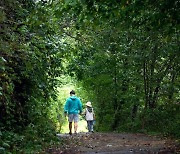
x=2 y=150
x=6 y=145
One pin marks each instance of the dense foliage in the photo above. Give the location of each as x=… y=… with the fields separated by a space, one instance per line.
x=128 y=54
x=125 y=54
x=30 y=62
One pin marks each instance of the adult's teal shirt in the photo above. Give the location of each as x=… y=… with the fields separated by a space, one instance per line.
x=73 y=105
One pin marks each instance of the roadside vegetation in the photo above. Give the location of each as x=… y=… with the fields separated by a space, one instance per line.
x=123 y=56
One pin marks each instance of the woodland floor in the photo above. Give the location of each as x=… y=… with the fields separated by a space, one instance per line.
x=114 y=143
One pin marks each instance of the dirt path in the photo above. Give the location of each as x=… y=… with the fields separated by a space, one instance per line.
x=113 y=143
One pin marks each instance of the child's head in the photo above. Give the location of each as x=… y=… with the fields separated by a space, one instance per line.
x=88 y=104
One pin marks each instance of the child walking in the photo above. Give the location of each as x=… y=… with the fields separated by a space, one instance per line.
x=90 y=116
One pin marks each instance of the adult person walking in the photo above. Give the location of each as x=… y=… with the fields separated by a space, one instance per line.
x=73 y=108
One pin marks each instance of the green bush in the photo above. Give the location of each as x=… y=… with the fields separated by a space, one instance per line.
x=164 y=120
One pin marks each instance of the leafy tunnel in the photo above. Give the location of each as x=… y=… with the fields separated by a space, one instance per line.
x=121 y=55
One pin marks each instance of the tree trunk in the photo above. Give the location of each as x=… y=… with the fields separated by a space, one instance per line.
x=145 y=83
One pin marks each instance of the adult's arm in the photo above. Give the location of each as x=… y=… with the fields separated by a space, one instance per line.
x=80 y=106
x=66 y=106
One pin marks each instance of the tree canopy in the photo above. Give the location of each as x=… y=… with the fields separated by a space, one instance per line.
x=124 y=55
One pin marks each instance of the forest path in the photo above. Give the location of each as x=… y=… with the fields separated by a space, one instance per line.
x=113 y=143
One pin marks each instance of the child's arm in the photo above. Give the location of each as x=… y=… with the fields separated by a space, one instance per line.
x=84 y=113
x=94 y=117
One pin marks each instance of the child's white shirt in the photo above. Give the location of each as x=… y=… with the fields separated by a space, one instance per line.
x=89 y=115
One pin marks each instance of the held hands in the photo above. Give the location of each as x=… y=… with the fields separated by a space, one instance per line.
x=94 y=117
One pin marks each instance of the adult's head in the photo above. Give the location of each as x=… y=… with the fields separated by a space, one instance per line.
x=72 y=92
